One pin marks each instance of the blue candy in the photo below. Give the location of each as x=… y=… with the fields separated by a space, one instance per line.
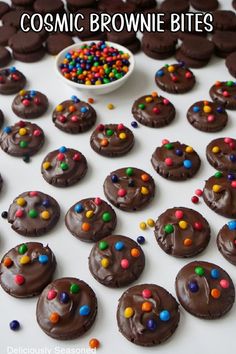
x=232 y=225
x=63 y=149
x=188 y=164
x=164 y=315
x=43 y=259
x=78 y=208
x=84 y=310
x=119 y=246
x=215 y=274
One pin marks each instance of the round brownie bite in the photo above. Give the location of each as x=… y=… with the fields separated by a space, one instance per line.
x=197 y=48
x=45 y=6
x=55 y=43
x=4 y=8
x=225 y=43
x=221 y=154
x=5 y=56
x=182 y=232
x=33 y=213
x=64 y=167
x=12 y=17
x=25 y=42
x=74 y=116
x=224 y=20
x=112 y=140
x=11 y=81
x=205 y=290
x=66 y=309
x=153 y=111
x=147 y=315
x=207 y=116
x=6 y=32
x=30 y=104
x=22 y=139
x=129 y=189
x=220 y=194
x=26 y=269
x=116 y=261
x=226 y=241
x=91 y=219
x=159 y=45
x=175 y=78
x=203 y=5
x=190 y=62
x=175 y=161
x=224 y=92
x=231 y=63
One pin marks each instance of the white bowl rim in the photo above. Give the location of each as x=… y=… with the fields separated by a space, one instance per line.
x=95 y=87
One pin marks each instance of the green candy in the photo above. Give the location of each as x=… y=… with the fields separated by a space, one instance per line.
x=129 y=171
x=106 y=81
x=23 y=144
x=96 y=63
x=74 y=289
x=169 y=146
x=79 y=71
x=33 y=213
x=169 y=228
x=218 y=174
x=230 y=83
x=141 y=106
x=64 y=166
x=199 y=271
x=109 y=132
x=114 y=71
x=107 y=71
x=166 y=65
x=103 y=245
x=106 y=217
x=22 y=249
x=118 y=76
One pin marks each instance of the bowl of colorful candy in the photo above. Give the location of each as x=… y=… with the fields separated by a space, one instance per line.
x=96 y=67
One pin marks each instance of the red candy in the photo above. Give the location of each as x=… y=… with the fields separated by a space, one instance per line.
x=195 y=199
x=76 y=157
x=166 y=101
x=168 y=161
x=62 y=119
x=199 y=192
x=19 y=279
x=21 y=124
x=146 y=293
x=124 y=263
x=120 y=126
x=74 y=119
x=156 y=110
x=33 y=194
x=233 y=184
x=165 y=141
x=98 y=201
x=60 y=156
x=179 y=214
x=37 y=132
x=37 y=101
x=51 y=294
x=19 y=213
x=188 y=75
x=122 y=192
x=224 y=283
x=198 y=226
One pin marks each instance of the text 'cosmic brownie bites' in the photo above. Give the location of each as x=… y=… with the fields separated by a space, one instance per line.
x=175 y=161
x=220 y=193
x=129 y=189
x=66 y=309
x=91 y=219
x=112 y=140
x=22 y=139
x=224 y=92
x=153 y=110
x=74 y=116
x=64 y=167
x=182 y=232
x=116 y=261
x=33 y=213
x=11 y=81
x=205 y=290
x=147 y=314
x=226 y=241
x=26 y=269
x=221 y=154
x=175 y=78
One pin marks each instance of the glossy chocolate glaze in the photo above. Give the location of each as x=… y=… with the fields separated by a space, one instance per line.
x=226 y=243
x=224 y=92
x=11 y=81
x=225 y=158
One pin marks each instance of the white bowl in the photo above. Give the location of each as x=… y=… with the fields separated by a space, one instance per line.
x=95 y=89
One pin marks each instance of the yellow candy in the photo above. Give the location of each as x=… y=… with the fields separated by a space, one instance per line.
x=45 y=215
x=148 y=99
x=207 y=109
x=111 y=75
x=122 y=136
x=143 y=225
x=59 y=108
x=22 y=92
x=88 y=82
x=46 y=165
x=144 y=190
x=22 y=131
x=105 y=262
x=150 y=222
x=215 y=149
x=98 y=82
x=183 y=224
x=20 y=201
x=216 y=188
x=24 y=260
x=89 y=214
x=110 y=106
x=189 y=149
x=171 y=69
x=128 y=312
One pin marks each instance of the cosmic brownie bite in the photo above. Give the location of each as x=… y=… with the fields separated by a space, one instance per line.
x=11 y=81
x=56 y=42
x=53 y=7
x=112 y=140
x=221 y=154
x=159 y=45
x=26 y=269
x=22 y=139
x=147 y=315
x=207 y=116
x=66 y=309
x=91 y=219
x=5 y=56
x=74 y=116
x=175 y=78
x=224 y=92
x=6 y=32
x=64 y=167
x=116 y=261
x=30 y=104
x=182 y=232
x=224 y=20
x=4 y=8
x=205 y=290
x=129 y=189
x=153 y=110
x=225 y=43
x=175 y=161
x=33 y=213
x=226 y=241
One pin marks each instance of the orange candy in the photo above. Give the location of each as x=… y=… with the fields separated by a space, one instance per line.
x=104 y=142
x=215 y=293
x=135 y=252
x=145 y=177
x=85 y=226
x=94 y=343
x=7 y=262
x=90 y=100
x=146 y=306
x=72 y=109
x=54 y=317
x=154 y=94
x=188 y=242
